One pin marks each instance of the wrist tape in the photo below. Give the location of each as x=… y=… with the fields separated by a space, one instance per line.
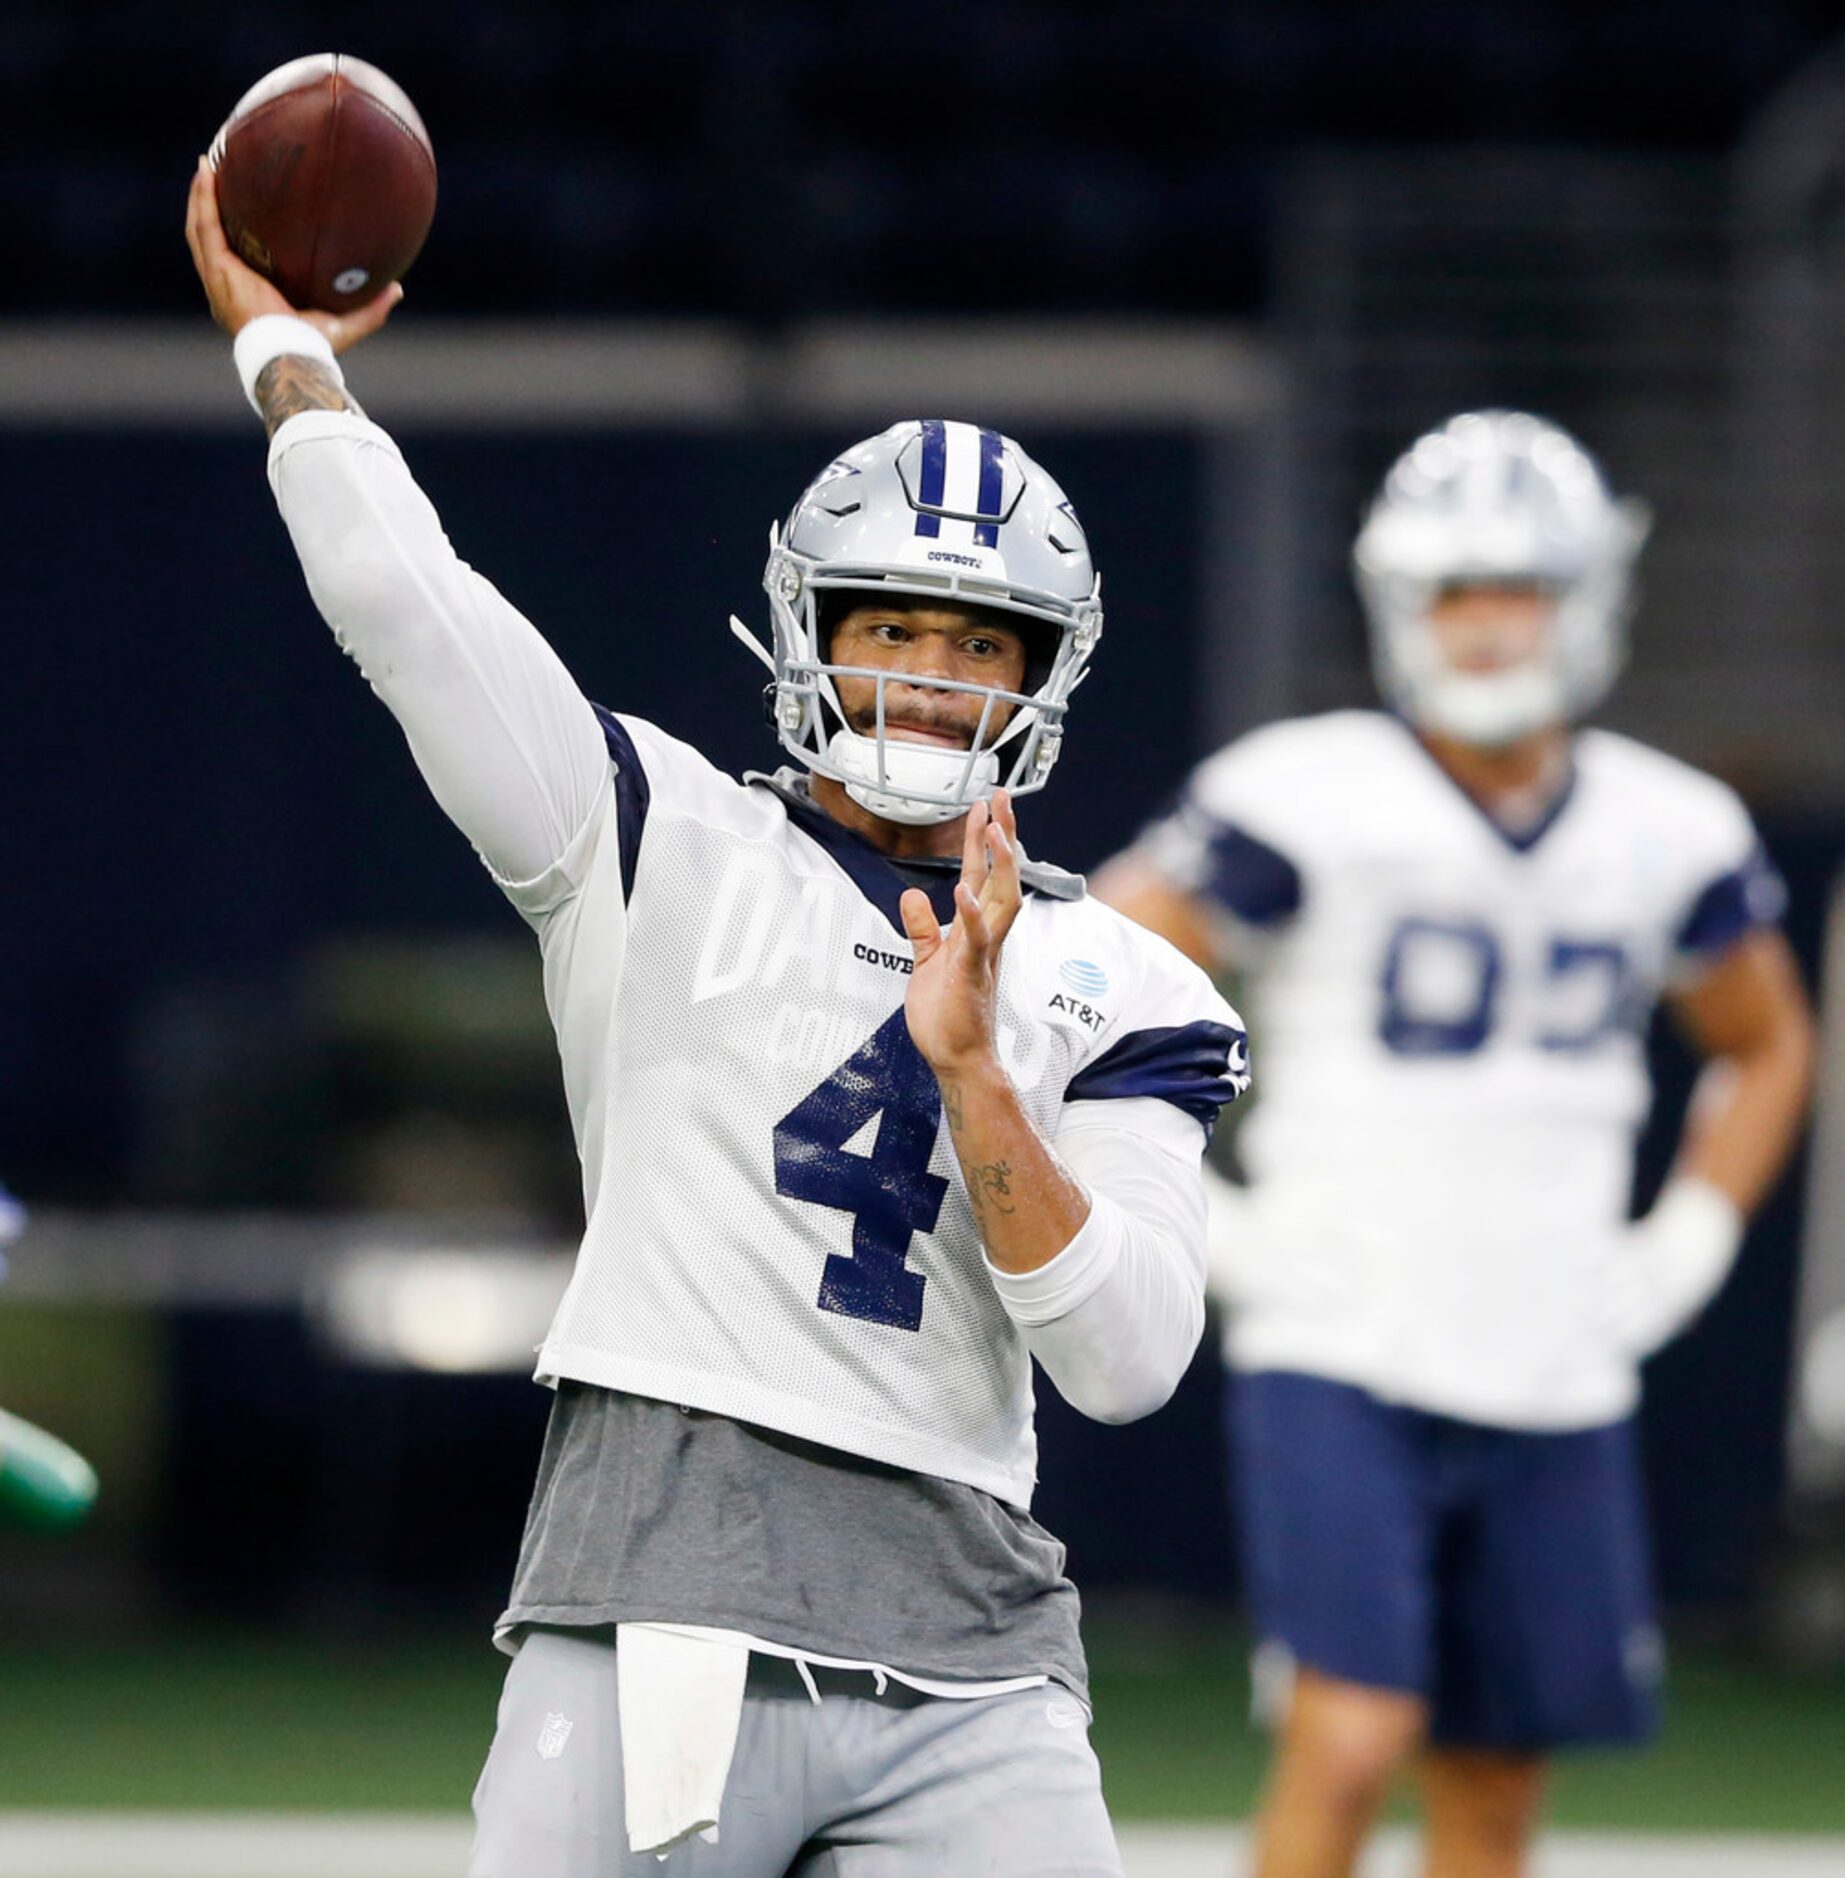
x=275 y=335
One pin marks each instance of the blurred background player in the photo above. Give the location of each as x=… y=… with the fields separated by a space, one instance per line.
x=1454 y=917
x=44 y=1483
x=845 y=1177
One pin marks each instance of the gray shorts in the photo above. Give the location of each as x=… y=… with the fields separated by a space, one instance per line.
x=859 y=1785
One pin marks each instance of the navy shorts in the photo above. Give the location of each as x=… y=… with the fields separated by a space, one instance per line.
x=1501 y=1574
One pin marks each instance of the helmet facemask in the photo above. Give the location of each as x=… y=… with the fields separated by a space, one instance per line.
x=1489 y=708
x=852 y=542
x=1498 y=498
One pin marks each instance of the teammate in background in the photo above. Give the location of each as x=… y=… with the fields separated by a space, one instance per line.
x=44 y=1484
x=1454 y=918
x=872 y=1110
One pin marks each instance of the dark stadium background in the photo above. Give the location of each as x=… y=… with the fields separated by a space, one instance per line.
x=203 y=804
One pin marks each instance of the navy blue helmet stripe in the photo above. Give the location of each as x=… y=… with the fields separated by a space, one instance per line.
x=1196 y=1067
x=934 y=474
x=992 y=482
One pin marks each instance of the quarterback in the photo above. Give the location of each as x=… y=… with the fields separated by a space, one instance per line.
x=873 y=1110
x=1454 y=918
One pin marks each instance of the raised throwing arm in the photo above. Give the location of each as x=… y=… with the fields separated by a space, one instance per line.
x=505 y=739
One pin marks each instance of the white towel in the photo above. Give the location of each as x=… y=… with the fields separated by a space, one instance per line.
x=680 y=1694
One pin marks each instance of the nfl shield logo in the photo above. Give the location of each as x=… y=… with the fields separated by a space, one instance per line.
x=553 y=1735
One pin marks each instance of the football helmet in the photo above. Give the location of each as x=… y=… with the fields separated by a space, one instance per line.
x=1498 y=496
x=940 y=511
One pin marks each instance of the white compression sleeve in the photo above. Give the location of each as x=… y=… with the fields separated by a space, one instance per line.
x=507 y=743
x=1115 y=1316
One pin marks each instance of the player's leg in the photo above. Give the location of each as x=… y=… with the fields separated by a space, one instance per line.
x=925 y=1786
x=1546 y=1641
x=1336 y=1514
x=550 y=1802
x=1481 y=1809
x=1339 y=1747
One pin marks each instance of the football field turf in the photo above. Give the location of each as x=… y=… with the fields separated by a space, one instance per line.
x=198 y=1722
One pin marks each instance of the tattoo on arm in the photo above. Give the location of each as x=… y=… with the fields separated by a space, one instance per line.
x=989 y=1183
x=990 y=1188
x=292 y=383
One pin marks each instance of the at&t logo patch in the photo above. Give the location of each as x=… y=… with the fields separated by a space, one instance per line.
x=1086 y=980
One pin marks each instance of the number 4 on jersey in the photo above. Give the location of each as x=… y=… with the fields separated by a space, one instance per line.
x=889 y=1192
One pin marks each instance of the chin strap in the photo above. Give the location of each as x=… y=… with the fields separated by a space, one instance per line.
x=1492 y=709
x=892 y=808
x=912 y=776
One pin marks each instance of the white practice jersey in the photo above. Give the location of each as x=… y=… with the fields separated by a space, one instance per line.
x=777 y=1229
x=1452 y=1030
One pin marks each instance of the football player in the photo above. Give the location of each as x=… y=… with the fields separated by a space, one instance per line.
x=872 y=1111
x=1454 y=917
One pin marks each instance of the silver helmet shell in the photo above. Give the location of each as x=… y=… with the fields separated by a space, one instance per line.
x=943 y=511
x=1498 y=497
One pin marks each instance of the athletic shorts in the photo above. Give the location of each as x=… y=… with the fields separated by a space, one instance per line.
x=1502 y=1574
x=862 y=1783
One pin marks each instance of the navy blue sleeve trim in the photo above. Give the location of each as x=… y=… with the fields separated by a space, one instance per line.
x=1196 y=1067
x=632 y=794
x=1733 y=904
x=1255 y=882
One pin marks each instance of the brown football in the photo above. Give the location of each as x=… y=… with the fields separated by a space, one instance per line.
x=326 y=180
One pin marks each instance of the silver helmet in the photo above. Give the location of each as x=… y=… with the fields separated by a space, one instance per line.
x=1490 y=497
x=960 y=515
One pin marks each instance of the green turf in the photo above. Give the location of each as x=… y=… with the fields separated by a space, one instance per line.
x=210 y=1720
x=1745 y=1749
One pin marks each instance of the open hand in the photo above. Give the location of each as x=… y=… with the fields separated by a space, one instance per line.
x=953 y=993
x=237 y=293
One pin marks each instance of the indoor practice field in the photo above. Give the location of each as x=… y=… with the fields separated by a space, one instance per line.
x=539 y=540
x=217 y=1754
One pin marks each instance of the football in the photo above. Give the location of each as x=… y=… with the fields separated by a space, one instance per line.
x=326 y=180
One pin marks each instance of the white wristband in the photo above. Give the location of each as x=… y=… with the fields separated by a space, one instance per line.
x=1671 y=1264
x=1697 y=1230
x=271 y=336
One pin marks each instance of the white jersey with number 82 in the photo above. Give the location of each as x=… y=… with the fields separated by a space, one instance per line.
x=1452 y=1031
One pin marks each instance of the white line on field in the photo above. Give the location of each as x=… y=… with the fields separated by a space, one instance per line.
x=321 y=1845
